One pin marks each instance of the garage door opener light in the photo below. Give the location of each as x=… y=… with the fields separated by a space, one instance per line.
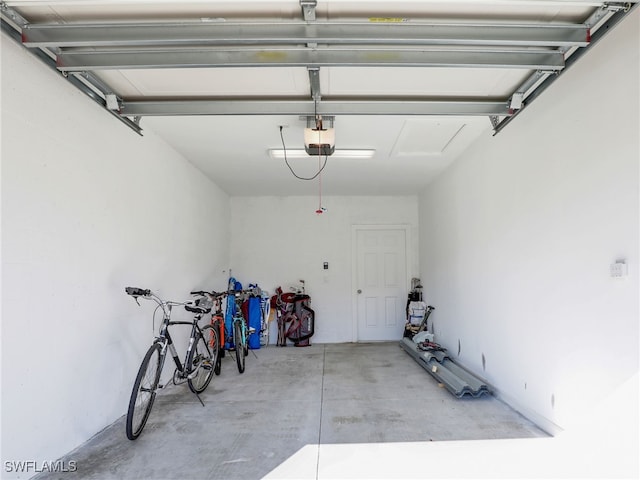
x=319 y=140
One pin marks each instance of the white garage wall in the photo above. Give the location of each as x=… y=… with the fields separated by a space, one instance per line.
x=88 y=207
x=279 y=240
x=517 y=238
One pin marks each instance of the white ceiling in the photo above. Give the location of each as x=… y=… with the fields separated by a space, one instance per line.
x=233 y=151
x=410 y=150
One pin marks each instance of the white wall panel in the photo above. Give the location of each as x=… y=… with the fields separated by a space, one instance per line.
x=279 y=240
x=88 y=208
x=518 y=235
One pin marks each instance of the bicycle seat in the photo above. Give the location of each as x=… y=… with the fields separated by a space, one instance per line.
x=197 y=309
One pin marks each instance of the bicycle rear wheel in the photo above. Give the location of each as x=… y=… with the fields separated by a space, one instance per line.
x=218 y=326
x=202 y=359
x=144 y=392
x=239 y=341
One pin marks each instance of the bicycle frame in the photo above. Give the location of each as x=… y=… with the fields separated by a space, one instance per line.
x=164 y=338
x=217 y=316
x=238 y=316
x=166 y=342
x=239 y=328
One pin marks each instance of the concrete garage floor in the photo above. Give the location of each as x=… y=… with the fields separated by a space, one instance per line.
x=299 y=413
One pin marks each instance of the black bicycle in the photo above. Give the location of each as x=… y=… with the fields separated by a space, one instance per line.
x=197 y=370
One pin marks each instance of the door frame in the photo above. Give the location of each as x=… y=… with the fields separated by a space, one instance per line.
x=354 y=265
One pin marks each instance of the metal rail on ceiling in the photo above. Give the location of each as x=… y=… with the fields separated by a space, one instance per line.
x=86 y=82
x=302 y=33
x=307 y=107
x=78 y=49
x=74 y=60
x=605 y=18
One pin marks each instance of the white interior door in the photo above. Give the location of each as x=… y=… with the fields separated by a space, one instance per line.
x=381 y=283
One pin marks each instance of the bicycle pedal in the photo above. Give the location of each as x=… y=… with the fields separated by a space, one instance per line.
x=160 y=386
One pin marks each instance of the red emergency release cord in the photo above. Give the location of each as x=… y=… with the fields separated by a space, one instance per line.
x=320 y=209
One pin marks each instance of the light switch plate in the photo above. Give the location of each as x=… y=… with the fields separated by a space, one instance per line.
x=619 y=269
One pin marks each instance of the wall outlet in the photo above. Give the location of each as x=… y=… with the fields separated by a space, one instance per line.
x=619 y=269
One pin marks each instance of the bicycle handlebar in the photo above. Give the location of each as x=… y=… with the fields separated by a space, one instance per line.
x=234 y=293
x=137 y=292
x=212 y=294
x=246 y=291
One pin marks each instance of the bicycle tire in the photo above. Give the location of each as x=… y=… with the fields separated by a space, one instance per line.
x=218 y=366
x=246 y=335
x=218 y=326
x=144 y=391
x=204 y=358
x=239 y=341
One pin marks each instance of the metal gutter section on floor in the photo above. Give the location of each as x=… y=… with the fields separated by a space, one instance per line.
x=455 y=379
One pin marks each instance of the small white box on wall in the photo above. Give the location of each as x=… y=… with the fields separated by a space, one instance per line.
x=619 y=269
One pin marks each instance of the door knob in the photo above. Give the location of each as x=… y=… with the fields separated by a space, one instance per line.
x=359 y=291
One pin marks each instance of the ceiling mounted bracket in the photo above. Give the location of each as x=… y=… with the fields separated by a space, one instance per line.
x=309 y=10
x=314 y=82
x=516 y=101
x=309 y=14
x=617 y=6
x=495 y=120
x=10 y=14
x=547 y=72
x=327 y=120
x=605 y=11
x=112 y=102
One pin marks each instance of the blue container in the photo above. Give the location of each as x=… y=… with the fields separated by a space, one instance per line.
x=255 y=321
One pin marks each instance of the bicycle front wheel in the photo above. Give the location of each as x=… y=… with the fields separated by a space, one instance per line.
x=144 y=392
x=202 y=359
x=239 y=341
